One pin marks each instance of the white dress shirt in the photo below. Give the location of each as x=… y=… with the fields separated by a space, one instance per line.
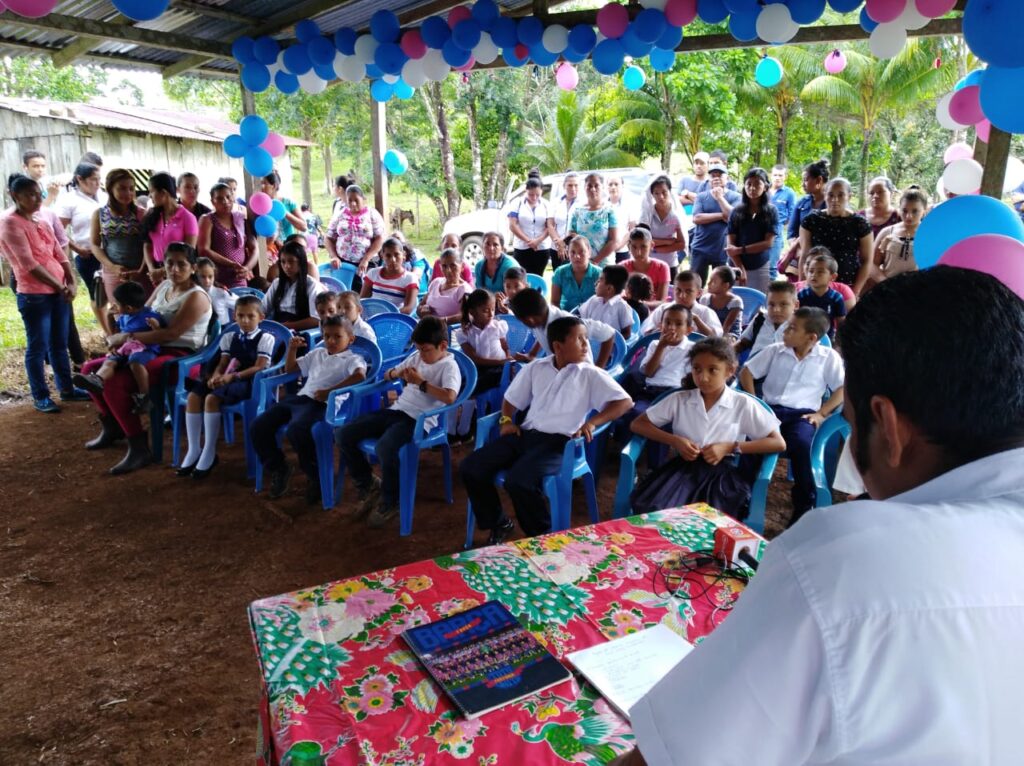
x=596 y=331
x=532 y=220
x=766 y=335
x=875 y=633
x=797 y=383
x=560 y=399
x=78 y=209
x=614 y=311
x=485 y=341
x=444 y=373
x=674 y=366
x=734 y=417
x=313 y=289
x=364 y=329
x=323 y=370
x=706 y=313
x=264 y=348
x=561 y=212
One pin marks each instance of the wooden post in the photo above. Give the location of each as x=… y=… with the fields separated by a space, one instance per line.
x=995 y=163
x=249 y=183
x=379 y=139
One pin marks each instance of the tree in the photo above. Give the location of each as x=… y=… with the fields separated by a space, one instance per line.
x=32 y=77
x=433 y=97
x=568 y=142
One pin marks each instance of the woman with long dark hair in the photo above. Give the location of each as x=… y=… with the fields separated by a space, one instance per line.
x=225 y=240
x=815 y=176
x=291 y=298
x=167 y=221
x=75 y=206
x=751 y=231
x=116 y=235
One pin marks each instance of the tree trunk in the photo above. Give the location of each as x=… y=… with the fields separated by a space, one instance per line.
x=474 y=148
x=498 y=171
x=670 y=125
x=433 y=97
x=307 y=162
x=780 y=140
x=864 y=147
x=328 y=168
x=838 y=145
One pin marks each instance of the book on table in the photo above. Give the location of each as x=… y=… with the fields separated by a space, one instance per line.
x=483 y=658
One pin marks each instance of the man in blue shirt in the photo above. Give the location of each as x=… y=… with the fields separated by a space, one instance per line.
x=784 y=200
x=690 y=186
x=710 y=222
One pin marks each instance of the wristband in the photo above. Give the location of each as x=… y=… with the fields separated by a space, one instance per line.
x=423 y=386
x=504 y=420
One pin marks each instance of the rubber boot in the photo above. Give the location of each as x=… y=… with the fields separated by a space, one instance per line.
x=110 y=432
x=138 y=455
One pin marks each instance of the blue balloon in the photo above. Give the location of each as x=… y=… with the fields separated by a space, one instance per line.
x=485 y=12
x=265 y=226
x=1000 y=98
x=573 y=57
x=255 y=77
x=307 y=31
x=712 y=11
x=404 y=90
x=844 y=6
x=530 y=30
x=957 y=219
x=325 y=73
x=542 y=56
x=989 y=31
x=742 y=6
x=235 y=146
x=373 y=71
x=633 y=45
x=395 y=162
x=768 y=73
x=509 y=54
x=670 y=40
x=743 y=26
x=435 y=32
x=296 y=59
x=384 y=26
x=634 y=78
x=142 y=10
x=345 y=40
x=807 y=11
x=254 y=130
x=466 y=34
x=265 y=49
x=277 y=210
x=608 y=56
x=649 y=25
x=258 y=161
x=381 y=91
x=455 y=56
x=321 y=51
x=288 y=83
x=867 y=23
x=389 y=58
x=242 y=50
x=972 y=78
x=582 y=38
x=662 y=60
x=504 y=32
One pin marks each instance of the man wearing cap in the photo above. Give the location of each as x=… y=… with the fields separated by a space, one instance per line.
x=711 y=211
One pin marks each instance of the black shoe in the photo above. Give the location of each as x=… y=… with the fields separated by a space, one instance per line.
x=501 y=532
x=279 y=481
x=313 y=496
x=138 y=455
x=185 y=470
x=110 y=433
x=91 y=382
x=369 y=498
x=381 y=515
x=198 y=473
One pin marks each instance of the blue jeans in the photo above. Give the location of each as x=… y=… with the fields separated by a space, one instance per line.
x=702 y=264
x=46 y=333
x=775 y=253
x=392 y=429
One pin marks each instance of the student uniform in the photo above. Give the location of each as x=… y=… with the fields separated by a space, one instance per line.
x=706 y=313
x=614 y=311
x=596 y=331
x=761 y=333
x=486 y=343
x=287 y=312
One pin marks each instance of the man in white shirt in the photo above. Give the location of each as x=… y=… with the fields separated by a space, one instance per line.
x=884 y=631
x=530 y=308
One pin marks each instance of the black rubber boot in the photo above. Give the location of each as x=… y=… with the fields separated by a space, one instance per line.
x=138 y=455
x=110 y=432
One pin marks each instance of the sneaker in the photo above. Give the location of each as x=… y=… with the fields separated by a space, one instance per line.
x=313 y=496
x=140 y=404
x=369 y=497
x=91 y=382
x=381 y=515
x=46 y=404
x=501 y=532
x=279 y=480
x=75 y=395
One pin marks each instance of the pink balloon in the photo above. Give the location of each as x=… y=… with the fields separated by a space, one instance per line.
x=467 y=66
x=413 y=45
x=984 y=130
x=274 y=144
x=679 y=13
x=612 y=20
x=835 y=62
x=965 y=107
x=457 y=14
x=884 y=11
x=932 y=9
x=958 y=151
x=260 y=203
x=566 y=76
x=995 y=254
x=31 y=9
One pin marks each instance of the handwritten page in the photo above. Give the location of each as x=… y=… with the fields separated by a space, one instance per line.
x=625 y=669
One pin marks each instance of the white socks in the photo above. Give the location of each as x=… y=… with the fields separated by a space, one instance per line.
x=194 y=431
x=211 y=422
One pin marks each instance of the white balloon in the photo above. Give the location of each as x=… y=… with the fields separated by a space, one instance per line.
x=435 y=66
x=555 y=38
x=775 y=24
x=390 y=79
x=911 y=18
x=311 y=83
x=365 y=48
x=350 y=68
x=658 y=4
x=485 y=51
x=413 y=74
x=887 y=40
x=942 y=113
x=1014 y=175
x=963 y=176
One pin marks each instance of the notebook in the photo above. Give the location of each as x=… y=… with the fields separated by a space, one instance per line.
x=483 y=658
x=625 y=669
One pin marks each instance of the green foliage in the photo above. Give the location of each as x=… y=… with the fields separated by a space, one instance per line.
x=32 y=77
x=568 y=141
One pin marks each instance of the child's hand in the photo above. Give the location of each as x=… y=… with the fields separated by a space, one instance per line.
x=153 y=323
x=586 y=431
x=732 y=250
x=814 y=418
x=296 y=342
x=671 y=335
x=715 y=453
x=687 y=449
x=509 y=429
x=524 y=358
x=322 y=394
x=412 y=376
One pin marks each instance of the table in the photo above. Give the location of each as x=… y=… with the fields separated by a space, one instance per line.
x=339 y=685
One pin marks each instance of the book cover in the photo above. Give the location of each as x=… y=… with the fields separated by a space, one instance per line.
x=483 y=658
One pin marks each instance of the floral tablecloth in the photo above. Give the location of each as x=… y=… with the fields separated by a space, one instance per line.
x=341 y=687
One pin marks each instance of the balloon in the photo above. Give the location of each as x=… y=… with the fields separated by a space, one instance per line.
x=983 y=130
x=775 y=24
x=612 y=20
x=485 y=12
x=365 y=49
x=395 y=162
x=258 y=162
x=384 y=26
x=633 y=45
x=413 y=74
x=274 y=143
x=1014 y=175
x=971 y=78
x=845 y=6
x=345 y=40
x=806 y=11
x=466 y=34
x=412 y=44
x=349 y=68
x=513 y=58
x=321 y=51
x=662 y=60
x=608 y=56
x=457 y=14
x=242 y=50
x=835 y=62
x=469 y=64
x=306 y=30
x=312 y=83
x=769 y=72
x=959 y=218
x=542 y=56
x=389 y=58
x=572 y=56
x=742 y=6
x=884 y=11
x=997 y=82
x=454 y=56
x=266 y=49
x=567 y=77
x=324 y=72
x=990 y=28
x=260 y=203
x=634 y=78
x=935 y=8
x=296 y=59
x=253 y=130
x=255 y=77
x=235 y=146
x=381 y=91
x=504 y=32
x=485 y=51
x=965 y=106
x=139 y=10
x=887 y=40
x=277 y=210
x=530 y=30
x=957 y=151
x=679 y=13
x=911 y=18
x=866 y=22
x=712 y=11
x=649 y=25
x=435 y=32
x=670 y=38
x=265 y=226
x=435 y=66
x=286 y=82
x=404 y=90
x=963 y=176
x=942 y=113
x=995 y=254
x=743 y=26
x=555 y=38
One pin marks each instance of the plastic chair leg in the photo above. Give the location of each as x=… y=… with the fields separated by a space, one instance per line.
x=624 y=488
x=176 y=417
x=156 y=425
x=470 y=527
x=322 y=438
x=590 y=488
x=555 y=502
x=228 y=426
x=446 y=454
x=409 y=461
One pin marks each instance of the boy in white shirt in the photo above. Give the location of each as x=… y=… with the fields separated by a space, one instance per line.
x=769 y=326
x=687 y=291
x=530 y=308
x=432 y=379
x=350 y=308
x=325 y=369
x=607 y=305
x=797 y=373
x=559 y=391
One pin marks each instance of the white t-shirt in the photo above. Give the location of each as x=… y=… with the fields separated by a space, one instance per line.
x=734 y=417
x=597 y=331
x=264 y=348
x=313 y=289
x=767 y=335
x=532 y=220
x=874 y=633
x=444 y=373
x=78 y=207
x=323 y=370
x=798 y=384
x=674 y=367
x=614 y=311
x=706 y=313
x=486 y=341
x=561 y=212
x=363 y=329
x=561 y=400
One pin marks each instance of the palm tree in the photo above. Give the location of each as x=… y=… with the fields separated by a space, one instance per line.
x=653 y=115
x=870 y=87
x=569 y=142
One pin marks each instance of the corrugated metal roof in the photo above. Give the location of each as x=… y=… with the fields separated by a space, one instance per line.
x=163 y=122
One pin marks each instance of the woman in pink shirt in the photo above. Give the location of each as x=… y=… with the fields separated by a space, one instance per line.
x=167 y=221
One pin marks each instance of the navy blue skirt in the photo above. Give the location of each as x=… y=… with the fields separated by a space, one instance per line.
x=679 y=482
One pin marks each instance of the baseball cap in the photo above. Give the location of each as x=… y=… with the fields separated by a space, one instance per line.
x=716 y=166
x=701 y=156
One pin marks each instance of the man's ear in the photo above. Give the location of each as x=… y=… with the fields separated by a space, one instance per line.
x=893 y=428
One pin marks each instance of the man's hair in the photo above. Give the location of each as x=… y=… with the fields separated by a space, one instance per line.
x=130 y=294
x=827 y=259
x=640 y=233
x=688 y=276
x=325 y=297
x=813 y=320
x=969 y=403
x=776 y=168
x=31 y=154
x=430 y=330
x=559 y=330
x=528 y=303
x=515 y=274
x=249 y=300
x=782 y=286
x=615 y=276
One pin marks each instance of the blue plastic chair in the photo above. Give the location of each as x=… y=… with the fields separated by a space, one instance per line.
x=240 y=291
x=634 y=332
x=268 y=387
x=753 y=301
x=627 y=478
x=557 y=487
x=374 y=306
x=394 y=337
x=343 y=274
x=614 y=365
x=332 y=284
x=537 y=283
x=825 y=448
x=426 y=272
x=520 y=340
x=423 y=438
x=246 y=409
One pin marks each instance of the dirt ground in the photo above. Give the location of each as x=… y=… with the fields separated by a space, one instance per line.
x=124 y=634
